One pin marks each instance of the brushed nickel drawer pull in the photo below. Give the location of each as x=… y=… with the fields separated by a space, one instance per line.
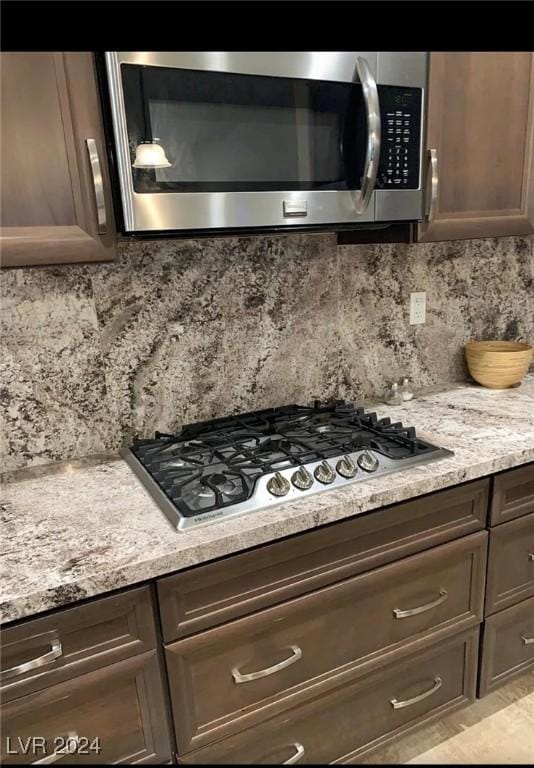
x=296 y=655
x=396 y=704
x=296 y=757
x=531 y=555
x=40 y=661
x=527 y=640
x=72 y=738
x=400 y=614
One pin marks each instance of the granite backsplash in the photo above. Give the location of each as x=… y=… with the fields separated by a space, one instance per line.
x=178 y=331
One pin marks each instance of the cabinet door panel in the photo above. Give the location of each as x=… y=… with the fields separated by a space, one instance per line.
x=35 y=166
x=75 y=640
x=50 y=107
x=314 y=641
x=121 y=706
x=357 y=718
x=510 y=564
x=480 y=122
x=513 y=494
x=508 y=645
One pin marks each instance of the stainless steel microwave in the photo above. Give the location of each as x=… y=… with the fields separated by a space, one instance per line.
x=257 y=140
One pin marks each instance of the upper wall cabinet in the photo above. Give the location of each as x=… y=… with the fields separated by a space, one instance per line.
x=56 y=197
x=479 y=146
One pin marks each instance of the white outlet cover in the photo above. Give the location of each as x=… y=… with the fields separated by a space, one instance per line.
x=417 y=307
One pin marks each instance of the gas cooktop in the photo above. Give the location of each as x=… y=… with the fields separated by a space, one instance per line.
x=239 y=464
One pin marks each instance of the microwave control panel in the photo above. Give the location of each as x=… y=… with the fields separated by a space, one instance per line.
x=400 y=113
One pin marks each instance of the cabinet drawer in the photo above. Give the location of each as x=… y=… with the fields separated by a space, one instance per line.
x=212 y=594
x=355 y=719
x=510 y=564
x=121 y=705
x=229 y=677
x=513 y=494
x=46 y=651
x=508 y=645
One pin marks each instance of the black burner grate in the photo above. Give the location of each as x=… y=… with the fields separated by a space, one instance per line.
x=216 y=464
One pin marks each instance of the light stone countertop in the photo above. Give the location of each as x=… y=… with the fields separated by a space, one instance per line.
x=86 y=527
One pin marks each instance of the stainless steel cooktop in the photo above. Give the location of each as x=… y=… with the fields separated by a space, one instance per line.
x=239 y=464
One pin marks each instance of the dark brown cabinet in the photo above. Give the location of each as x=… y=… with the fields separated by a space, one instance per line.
x=356 y=718
x=86 y=679
x=511 y=564
x=508 y=631
x=54 y=186
x=280 y=653
x=508 y=645
x=113 y=715
x=513 y=494
x=233 y=676
x=46 y=651
x=479 y=146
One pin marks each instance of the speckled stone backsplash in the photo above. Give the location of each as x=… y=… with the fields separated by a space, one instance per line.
x=177 y=331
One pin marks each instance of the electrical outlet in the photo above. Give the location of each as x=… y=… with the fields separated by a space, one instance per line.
x=417 y=307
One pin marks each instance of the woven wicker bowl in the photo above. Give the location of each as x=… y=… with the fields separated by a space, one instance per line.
x=498 y=364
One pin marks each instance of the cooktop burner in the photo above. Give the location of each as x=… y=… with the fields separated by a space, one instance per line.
x=237 y=464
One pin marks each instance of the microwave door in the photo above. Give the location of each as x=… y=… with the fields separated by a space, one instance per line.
x=232 y=150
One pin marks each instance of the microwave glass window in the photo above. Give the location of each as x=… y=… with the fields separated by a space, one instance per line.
x=225 y=132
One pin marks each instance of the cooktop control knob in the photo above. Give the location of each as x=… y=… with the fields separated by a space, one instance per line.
x=346 y=467
x=368 y=461
x=302 y=479
x=324 y=473
x=278 y=485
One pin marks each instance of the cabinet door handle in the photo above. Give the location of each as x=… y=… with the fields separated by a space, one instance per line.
x=72 y=738
x=98 y=184
x=55 y=652
x=299 y=752
x=295 y=656
x=432 y=195
x=396 y=704
x=400 y=614
x=531 y=555
x=527 y=640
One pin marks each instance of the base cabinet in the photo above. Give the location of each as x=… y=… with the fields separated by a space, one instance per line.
x=113 y=715
x=85 y=685
x=510 y=564
x=232 y=677
x=508 y=645
x=508 y=630
x=350 y=722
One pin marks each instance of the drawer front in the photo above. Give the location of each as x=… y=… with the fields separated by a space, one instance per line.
x=115 y=714
x=513 y=494
x=46 y=651
x=510 y=564
x=357 y=718
x=229 y=677
x=508 y=645
x=212 y=594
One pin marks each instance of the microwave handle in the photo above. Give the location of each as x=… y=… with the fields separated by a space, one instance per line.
x=374 y=128
x=96 y=172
